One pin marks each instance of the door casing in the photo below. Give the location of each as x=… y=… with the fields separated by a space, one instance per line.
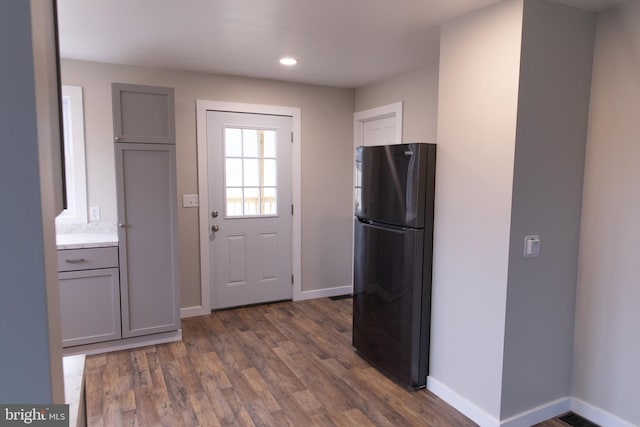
x=202 y=106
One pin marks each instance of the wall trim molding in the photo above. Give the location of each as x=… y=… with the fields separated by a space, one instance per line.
x=597 y=415
x=197 y=310
x=124 y=344
x=538 y=414
x=460 y=403
x=324 y=293
x=527 y=418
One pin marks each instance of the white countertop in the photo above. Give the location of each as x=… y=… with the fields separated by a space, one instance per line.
x=82 y=236
x=86 y=240
x=74 y=370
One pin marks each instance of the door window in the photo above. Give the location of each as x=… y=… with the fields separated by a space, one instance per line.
x=250 y=172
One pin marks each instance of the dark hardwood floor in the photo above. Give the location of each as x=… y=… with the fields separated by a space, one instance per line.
x=284 y=364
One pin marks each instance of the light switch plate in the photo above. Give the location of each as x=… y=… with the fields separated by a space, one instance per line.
x=190 y=201
x=531 y=246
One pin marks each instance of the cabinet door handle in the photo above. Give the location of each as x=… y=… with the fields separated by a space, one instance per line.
x=75 y=260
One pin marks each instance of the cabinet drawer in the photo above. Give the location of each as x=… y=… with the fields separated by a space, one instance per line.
x=87 y=259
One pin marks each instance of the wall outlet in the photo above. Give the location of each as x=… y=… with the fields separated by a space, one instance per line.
x=94 y=213
x=190 y=201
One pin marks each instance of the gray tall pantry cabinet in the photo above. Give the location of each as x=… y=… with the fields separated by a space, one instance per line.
x=144 y=134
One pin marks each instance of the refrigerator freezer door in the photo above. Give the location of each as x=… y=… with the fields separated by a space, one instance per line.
x=391 y=183
x=388 y=299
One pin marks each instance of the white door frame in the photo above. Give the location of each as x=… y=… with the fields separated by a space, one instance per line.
x=359 y=119
x=202 y=106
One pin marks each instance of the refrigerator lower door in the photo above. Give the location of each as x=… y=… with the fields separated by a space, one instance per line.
x=388 y=326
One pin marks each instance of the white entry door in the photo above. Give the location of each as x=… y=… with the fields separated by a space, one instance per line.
x=249 y=164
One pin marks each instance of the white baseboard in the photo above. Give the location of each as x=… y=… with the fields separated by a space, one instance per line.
x=538 y=414
x=124 y=344
x=597 y=415
x=305 y=295
x=527 y=418
x=323 y=293
x=193 y=311
x=469 y=409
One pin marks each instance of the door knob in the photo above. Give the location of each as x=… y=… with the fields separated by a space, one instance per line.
x=215 y=228
x=214 y=214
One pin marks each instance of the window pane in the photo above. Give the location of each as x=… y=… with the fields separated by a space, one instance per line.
x=269 y=201
x=234 y=201
x=269 y=173
x=251 y=172
x=269 y=143
x=250 y=141
x=233 y=172
x=233 y=142
x=252 y=201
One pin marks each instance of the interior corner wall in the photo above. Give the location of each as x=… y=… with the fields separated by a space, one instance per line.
x=477 y=108
x=418 y=91
x=606 y=372
x=327 y=147
x=555 y=79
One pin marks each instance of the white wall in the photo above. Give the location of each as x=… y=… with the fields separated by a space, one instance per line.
x=418 y=91
x=606 y=372
x=479 y=65
x=30 y=359
x=555 y=77
x=327 y=145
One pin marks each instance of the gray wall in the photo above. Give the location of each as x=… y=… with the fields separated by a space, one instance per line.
x=477 y=100
x=327 y=145
x=553 y=100
x=418 y=91
x=30 y=362
x=606 y=372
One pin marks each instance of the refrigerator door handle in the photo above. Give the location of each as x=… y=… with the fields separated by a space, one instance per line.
x=383 y=226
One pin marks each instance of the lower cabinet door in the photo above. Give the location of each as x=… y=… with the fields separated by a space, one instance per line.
x=89 y=306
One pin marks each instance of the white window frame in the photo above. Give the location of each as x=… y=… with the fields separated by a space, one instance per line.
x=75 y=158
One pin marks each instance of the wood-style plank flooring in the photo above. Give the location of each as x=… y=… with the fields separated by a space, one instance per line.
x=284 y=364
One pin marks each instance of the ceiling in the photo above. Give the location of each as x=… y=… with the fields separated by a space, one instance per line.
x=342 y=43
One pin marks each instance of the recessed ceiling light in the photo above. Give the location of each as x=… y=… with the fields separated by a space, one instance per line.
x=288 y=61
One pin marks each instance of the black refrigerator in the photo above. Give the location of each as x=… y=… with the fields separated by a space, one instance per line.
x=394 y=199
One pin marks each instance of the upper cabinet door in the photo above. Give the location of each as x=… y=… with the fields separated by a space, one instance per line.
x=143 y=114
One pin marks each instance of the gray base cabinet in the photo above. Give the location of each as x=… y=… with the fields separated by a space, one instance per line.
x=89 y=295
